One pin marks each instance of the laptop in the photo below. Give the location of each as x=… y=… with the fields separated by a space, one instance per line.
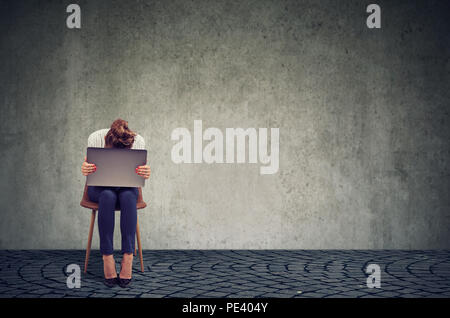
x=116 y=167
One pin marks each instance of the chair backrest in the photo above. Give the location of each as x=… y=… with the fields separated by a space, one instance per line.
x=87 y=203
x=140 y=199
x=85 y=194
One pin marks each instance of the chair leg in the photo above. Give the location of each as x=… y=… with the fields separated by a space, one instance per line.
x=88 y=247
x=138 y=235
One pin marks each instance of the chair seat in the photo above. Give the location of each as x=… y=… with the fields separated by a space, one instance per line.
x=94 y=206
x=86 y=203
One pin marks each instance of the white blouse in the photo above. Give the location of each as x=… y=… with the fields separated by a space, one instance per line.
x=97 y=139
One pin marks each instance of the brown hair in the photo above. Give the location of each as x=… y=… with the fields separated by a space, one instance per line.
x=119 y=135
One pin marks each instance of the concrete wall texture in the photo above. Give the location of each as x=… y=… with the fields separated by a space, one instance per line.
x=363 y=117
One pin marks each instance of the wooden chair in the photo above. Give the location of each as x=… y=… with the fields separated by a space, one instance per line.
x=86 y=203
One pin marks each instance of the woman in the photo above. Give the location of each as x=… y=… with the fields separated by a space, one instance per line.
x=118 y=136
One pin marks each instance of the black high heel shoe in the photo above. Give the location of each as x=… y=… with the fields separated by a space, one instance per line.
x=123 y=282
x=111 y=282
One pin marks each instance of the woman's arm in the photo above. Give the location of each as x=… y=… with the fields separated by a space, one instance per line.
x=87 y=168
x=143 y=171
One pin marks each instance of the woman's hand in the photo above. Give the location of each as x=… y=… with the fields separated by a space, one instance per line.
x=143 y=171
x=87 y=168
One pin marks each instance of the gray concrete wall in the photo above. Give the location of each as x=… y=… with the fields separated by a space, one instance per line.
x=363 y=117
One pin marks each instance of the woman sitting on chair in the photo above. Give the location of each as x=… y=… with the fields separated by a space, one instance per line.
x=118 y=136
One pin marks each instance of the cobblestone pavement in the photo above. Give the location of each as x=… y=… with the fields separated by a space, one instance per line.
x=232 y=273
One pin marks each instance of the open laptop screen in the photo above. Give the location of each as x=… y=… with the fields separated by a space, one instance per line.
x=116 y=167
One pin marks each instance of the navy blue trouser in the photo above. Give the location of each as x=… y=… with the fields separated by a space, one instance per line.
x=108 y=198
